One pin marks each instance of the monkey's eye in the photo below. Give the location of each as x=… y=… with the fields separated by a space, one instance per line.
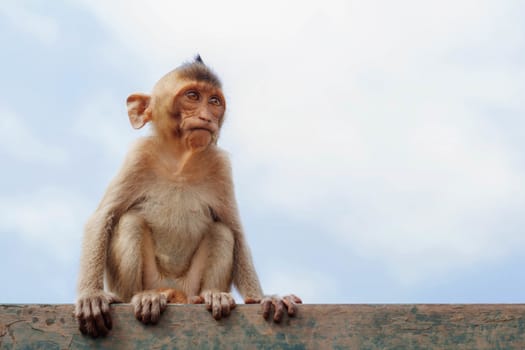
x=192 y=95
x=214 y=100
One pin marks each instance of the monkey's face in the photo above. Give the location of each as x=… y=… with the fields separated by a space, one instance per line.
x=198 y=111
x=181 y=110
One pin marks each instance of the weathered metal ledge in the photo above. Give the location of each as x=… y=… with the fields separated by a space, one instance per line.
x=315 y=327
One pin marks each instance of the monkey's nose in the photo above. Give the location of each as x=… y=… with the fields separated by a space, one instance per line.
x=205 y=119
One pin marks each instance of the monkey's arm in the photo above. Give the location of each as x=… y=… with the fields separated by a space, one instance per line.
x=96 y=240
x=92 y=307
x=244 y=276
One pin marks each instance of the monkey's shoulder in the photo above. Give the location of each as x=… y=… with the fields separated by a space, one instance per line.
x=140 y=156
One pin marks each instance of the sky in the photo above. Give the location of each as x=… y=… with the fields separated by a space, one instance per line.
x=377 y=146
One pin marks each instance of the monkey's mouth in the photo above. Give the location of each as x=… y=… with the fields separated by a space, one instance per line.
x=202 y=128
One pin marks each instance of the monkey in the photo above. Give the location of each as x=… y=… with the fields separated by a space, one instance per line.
x=168 y=228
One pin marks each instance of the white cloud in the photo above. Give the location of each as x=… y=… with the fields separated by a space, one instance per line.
x=53 y=217
x=18 y=141
x=370 y=116
x=169 y=28
x=45 y=29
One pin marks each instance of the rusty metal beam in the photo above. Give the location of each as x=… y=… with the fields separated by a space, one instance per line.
x=315 y=327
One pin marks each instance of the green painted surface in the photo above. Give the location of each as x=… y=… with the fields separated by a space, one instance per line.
x=315 y=327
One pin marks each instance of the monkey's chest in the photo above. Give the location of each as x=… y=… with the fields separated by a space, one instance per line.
x=178 y=219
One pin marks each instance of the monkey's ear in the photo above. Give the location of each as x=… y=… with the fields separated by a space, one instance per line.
x=138 y=110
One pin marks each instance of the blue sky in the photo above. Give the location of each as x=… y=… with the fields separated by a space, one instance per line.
x=378 y=147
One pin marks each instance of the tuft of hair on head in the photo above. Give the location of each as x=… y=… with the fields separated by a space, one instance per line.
x=198 y=58
x=197 y=70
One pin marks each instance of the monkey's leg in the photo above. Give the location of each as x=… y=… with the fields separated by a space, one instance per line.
x=131 y=268
x=213 y=263
x=218 y=272
x=125 y=256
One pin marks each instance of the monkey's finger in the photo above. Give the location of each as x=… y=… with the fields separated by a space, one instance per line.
x=225 y=304
x=78 y=309
x=91 y=328
x=155 y=310
x=80 y=317
x=82 y=326
x=146 y=310
x=208 y=300
x=163 y=302
x=104 y=308
x=137 y=308
x=97 y=317
x=266 y=305
x=252 y=301
x=216 y=306
x=290 y=305
x=295 y=299
x=85 y=312
x=88 y=320
x=232 y=302
x=279 y=309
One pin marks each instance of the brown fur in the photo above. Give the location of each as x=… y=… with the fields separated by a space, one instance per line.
x=168 y=227
x=174 y=296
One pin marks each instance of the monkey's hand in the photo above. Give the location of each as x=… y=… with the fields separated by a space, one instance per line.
x=278 y=304
x=148 y=306
x=219 y=303
x=92 y=312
